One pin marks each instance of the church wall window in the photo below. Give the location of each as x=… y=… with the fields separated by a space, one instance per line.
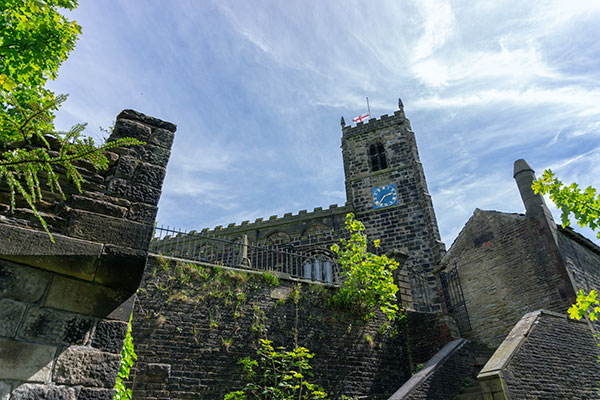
x=377 y=157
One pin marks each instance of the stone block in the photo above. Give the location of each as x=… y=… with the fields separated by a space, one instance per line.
x=27 y=362
x=84 y=298
x=109 y=336
x=53 y=326
x=66 y=255
x=96 y=394
x=126 y=167
x=11 y=313
x=156 y=373
x=130 y=128
x=163 y=137
x=123 y=312
x=121 y=268
x=138 y=116
x=97 y=206
x=134 y=191
x=149 y=174
x=109 y=230
x=22 y=283
x=151 y=154
x=5 y=389
x=144 y=213
x=88 y=367
x=151 y=135
x=44 y=392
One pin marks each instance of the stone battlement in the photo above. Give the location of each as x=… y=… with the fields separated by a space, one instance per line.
x=373 y=124
x=274 y=221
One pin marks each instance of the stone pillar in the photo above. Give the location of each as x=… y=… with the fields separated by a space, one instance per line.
x=64 y=306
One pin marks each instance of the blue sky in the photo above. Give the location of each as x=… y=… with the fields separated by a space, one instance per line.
x=257 y=90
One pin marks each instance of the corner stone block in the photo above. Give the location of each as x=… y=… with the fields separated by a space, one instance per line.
x=129 y=128
x=45 y=392
x=11 y=313
x=134 y=191
x=22 y=283
x=143 y=213
x=84 y=298
x=151 y=154
x=138 y=116
x=149 y=174
x=27 y=362
x=109 y=336
x=53 y=326
x=104 y=229
x=121 y=267
x=66 y=255
x=87 y=367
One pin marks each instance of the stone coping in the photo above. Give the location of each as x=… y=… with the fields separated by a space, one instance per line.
x=428 y=369
x=513 y=342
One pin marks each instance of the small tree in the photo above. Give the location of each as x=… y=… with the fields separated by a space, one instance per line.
x=368 y=280
x=278 y=375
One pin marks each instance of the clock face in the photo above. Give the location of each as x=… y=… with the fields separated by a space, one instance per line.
x=385 y=196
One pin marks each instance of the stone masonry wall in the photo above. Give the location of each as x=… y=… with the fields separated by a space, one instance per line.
x=64 y=306
x=582 y=259
x=546 y=356
x=193 y=323
x=505 y=271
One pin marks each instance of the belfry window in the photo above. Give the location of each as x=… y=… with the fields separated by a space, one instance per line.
x=377 y=157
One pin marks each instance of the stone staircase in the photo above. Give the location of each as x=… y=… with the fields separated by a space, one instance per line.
x=471 y=389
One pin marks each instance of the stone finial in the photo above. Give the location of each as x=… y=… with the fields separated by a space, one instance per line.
x=343 y=122
x=400 y=105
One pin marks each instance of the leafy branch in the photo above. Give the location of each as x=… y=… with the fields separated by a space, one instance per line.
x=571 y=200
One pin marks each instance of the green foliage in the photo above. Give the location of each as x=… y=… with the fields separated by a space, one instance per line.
x=128 y=357
x=34 y=40
x=571 y=200
x=270 y=278
x=586 y=306
x=368 y=282
x=278 y=375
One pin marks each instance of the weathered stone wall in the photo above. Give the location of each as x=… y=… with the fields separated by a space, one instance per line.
x=193 y=323
x=505 y=271
x=64 y=306
x=546 y=356
x=582 y=258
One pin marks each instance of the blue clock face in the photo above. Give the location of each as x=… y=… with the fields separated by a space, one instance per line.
x=384 y=196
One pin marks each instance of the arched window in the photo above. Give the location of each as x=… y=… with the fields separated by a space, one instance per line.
x=377 y=157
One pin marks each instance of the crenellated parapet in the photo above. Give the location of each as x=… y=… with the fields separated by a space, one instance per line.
x=289 y=227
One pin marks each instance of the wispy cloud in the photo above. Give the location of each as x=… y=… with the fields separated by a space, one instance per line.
x=257 y=90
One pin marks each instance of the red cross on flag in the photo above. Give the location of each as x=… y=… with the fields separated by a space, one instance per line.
x=360 y=118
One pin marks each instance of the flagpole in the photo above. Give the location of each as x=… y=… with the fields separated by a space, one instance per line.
x=369 y=107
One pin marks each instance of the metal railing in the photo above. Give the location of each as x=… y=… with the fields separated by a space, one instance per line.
x=238 y=253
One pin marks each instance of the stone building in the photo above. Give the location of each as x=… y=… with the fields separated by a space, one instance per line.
x=510 y=264
x=385 y=188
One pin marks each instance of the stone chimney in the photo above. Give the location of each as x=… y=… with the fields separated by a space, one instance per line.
x=535 y=207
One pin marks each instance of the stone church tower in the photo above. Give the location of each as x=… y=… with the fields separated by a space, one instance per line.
x=385 y=184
